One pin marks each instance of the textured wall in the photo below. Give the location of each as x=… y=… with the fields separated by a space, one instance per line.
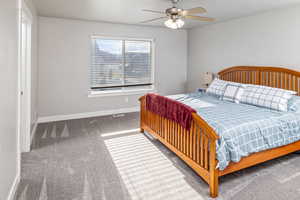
x=64 y=58
x=270 y=38
x=8 y=94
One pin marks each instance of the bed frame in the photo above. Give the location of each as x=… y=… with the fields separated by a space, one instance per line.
x=197 y=146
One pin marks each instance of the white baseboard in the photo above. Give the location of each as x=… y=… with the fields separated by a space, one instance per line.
x=87 y=115
x=14 y=187
x=32 y=134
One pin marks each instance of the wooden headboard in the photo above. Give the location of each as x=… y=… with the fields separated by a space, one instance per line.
x=270 y=76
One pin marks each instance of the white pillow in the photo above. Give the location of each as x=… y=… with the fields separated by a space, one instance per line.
x=233 y=93
x=273 y=98
x=217 y=87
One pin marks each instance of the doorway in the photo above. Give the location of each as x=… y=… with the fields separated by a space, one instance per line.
x=25 y=79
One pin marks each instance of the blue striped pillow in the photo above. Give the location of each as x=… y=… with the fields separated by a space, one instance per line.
x=273 y=98
x=233 y=93
x=218 y=86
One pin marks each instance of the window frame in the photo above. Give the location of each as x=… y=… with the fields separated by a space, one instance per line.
x=122 y=91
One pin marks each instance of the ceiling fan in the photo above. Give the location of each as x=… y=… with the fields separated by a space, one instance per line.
x=175 y=15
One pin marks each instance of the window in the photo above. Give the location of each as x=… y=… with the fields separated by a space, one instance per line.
x=121 y=65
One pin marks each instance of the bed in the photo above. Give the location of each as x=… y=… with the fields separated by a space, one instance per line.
x=202 y=146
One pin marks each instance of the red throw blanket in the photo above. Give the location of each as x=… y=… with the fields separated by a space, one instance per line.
x=170 y=109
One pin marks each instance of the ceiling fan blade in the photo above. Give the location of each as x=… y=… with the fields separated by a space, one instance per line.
x=198 y=10
x=205 y=19
x=153 y=11
x=151 y=20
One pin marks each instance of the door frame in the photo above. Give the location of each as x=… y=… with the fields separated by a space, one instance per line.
x=24 y=87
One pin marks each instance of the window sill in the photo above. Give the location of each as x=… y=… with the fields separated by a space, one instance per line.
x=93 y=94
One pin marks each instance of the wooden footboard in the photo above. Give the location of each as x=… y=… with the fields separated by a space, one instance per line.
x=197 y=146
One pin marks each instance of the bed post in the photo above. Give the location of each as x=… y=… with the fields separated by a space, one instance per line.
x=213 y=171
x=142 y=113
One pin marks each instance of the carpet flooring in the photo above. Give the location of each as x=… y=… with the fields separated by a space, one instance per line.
x=107 y=158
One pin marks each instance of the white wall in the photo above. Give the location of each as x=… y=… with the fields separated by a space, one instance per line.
x=64 y=58
x=269 y=39
x=34 y=66
x=8 y=94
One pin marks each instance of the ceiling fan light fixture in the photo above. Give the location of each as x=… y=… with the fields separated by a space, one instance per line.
x=174 y=24
x=175 y=15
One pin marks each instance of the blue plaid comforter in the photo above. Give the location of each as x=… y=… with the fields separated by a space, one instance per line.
x=243 y=129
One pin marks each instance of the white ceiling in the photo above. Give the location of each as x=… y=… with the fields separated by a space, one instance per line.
x=129 y=11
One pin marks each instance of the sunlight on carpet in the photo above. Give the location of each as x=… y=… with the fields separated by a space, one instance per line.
x=118 y=133
x=146 y=171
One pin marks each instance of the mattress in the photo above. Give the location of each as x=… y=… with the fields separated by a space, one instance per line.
x=243 y=129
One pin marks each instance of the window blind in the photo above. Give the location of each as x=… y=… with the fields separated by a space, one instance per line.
x=120 y=63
